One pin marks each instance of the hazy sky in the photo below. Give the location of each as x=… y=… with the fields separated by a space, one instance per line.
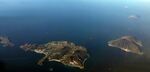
x=10 y=6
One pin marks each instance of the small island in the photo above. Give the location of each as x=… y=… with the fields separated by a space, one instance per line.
x=127 y=44
x=64 y=52
x=5 y=42
x=134 y=17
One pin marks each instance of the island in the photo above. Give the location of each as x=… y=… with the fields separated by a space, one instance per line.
x=127 y=44
x=64 y=52
x=5 y=42
x=134 y=17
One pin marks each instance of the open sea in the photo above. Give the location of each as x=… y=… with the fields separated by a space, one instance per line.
x=89 y=23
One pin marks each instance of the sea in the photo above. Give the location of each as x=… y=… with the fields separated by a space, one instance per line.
x=88 y=23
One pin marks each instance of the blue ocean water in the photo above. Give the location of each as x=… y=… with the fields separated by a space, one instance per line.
x=89 y=23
